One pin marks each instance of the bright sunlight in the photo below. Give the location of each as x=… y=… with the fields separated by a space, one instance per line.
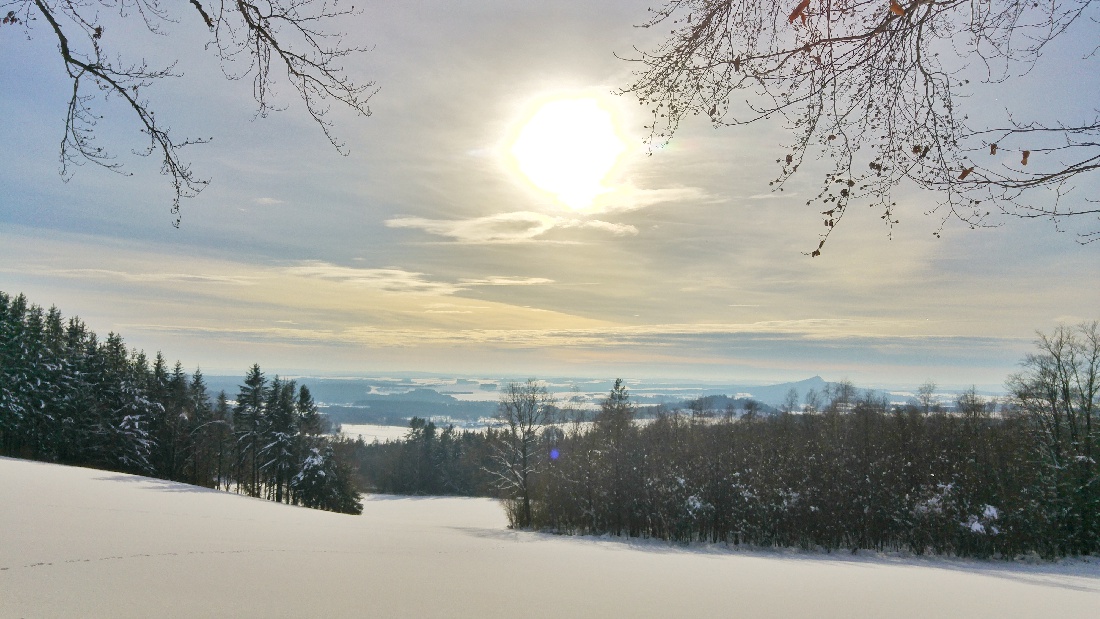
x=568 y=148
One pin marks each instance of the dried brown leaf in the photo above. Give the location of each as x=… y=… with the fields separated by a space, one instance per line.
x=799 y=12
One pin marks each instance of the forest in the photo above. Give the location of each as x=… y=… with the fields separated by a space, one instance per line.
x=68 y=397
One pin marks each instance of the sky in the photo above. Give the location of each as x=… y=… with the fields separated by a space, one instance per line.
x=428 y=249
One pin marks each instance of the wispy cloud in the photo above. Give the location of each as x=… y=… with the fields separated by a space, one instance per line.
x=606 y=226
x=197 y=278
x=267 y=201
x=711 y=339
x=772 y=195
x=392 y=279
x=386 y=280
x=506 y=281
x=515 y=227
x=629 y=197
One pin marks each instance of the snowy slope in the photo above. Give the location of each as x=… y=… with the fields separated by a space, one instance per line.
x=85 y=543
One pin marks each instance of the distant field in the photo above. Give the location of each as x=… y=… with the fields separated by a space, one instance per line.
x=370 y=433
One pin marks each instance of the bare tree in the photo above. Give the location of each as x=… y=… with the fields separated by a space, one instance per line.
x=971 y=406
x=256 y=39
x=813 y=401
x=1058 y=391
x=525 y=409
x=877 y=87
x=926 y=396
x=790 y=403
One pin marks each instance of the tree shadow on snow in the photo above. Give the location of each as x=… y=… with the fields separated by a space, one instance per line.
x=163 y=485
x=1077 y=574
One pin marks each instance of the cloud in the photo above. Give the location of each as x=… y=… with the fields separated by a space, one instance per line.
x=267 y=201
x=773 y=195
x=152 y=277
x=607 y=226
x=825 y=341
x=386 y=280
x=397 y=280
x=515 y=227
x=506 y=281
x=629 y=197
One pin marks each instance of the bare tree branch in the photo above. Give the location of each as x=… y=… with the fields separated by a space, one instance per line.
x=290 y=32
x=876 y=88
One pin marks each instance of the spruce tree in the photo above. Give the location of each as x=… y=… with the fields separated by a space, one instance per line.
x=280 y=438
x=248 y=420
x=200 y=432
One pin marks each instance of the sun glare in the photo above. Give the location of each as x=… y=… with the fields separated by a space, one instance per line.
x=568 y=148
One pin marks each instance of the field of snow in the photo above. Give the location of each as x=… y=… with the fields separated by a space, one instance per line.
x=370 y=432
x=86 y=543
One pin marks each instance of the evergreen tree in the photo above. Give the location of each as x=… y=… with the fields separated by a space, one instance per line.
x=309 y=419
x=170 y=429
x=222 y=441
x=323 y=483
x=248 y=422
x=66 y=395
x=279 y=453
x=200 y=431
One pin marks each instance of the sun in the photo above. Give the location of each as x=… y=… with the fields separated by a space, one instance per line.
x=568 y=148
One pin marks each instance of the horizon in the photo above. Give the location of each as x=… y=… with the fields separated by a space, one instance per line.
x=404 y=383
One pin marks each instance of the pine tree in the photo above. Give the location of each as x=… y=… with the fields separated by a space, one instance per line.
x=309 y=419
x=66 y=395
x=170 y=433
x=10 y=410
x=280 y=437
x=323 y=482
x=222 y=440
x=200 y=432
x=121 y=427
x=248 y=420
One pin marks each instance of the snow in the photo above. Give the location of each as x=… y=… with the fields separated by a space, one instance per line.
x=87 y=543
x=371 y=433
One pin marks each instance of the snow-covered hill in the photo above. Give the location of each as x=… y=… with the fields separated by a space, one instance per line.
x=86 y=543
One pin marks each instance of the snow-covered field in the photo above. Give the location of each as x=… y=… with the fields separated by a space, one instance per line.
x=85 y=543
x=371 y=433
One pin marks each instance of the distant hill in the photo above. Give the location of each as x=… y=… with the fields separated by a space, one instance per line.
x=776 y=395
x=393 y=400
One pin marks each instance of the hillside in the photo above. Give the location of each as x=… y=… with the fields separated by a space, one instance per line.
x=90 y=543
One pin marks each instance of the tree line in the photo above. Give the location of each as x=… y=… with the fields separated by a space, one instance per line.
x=68 y=397
x=429 y=460
x=846 y=470
x=858 y=473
